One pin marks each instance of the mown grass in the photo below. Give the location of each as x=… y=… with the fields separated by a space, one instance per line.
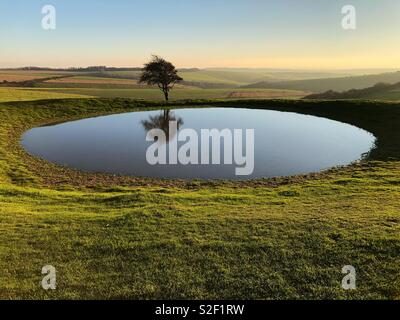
x=266 y=239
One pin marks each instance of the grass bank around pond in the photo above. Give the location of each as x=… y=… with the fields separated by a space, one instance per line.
x=117 y=237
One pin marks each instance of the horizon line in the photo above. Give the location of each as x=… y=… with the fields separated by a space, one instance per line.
x=201 y=68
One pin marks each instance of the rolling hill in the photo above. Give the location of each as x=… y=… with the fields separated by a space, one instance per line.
x=335 y=84
x=380 y=91
x=224 y=78
x=231 y=77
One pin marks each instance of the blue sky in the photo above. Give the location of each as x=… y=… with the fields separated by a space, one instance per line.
x=201 y=33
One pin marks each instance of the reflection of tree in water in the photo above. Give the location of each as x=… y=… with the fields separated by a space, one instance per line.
x=162 y=121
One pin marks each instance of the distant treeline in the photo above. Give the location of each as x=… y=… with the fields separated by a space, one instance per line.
x=90 y=69
x=379 y=88
x=77 y=69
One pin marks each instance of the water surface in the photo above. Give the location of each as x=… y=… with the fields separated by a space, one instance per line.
x=285 y=143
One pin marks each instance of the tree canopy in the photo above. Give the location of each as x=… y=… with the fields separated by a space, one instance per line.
x=161 y=73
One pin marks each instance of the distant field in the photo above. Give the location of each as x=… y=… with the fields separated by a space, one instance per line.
x=204 y=84
x=93 y=80
x=17 y=94
x=96 y=82
x=255 y=75
x=15 y=76
x=229 y=78
x=240 y=78
x=308 y=81
x=336 y=84
x=393 y=95
x=236 y=77
x=26 y=94
x=265 y=94
x=123 y=74
x=178 y=94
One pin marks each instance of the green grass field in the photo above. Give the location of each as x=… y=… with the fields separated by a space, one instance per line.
x=205 y=83
x=18 y=94
x=201 y=76
x=238 y=77
x=243 y=77
x=116 y=237
x=336 y=84
x=108 y=91
x=177 y=94
x=22 y=75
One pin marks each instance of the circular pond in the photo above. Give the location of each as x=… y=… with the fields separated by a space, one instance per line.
x=209 y=143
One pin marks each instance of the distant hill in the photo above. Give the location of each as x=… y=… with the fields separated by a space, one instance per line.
x=343 y=72
x=207 y=78
x=233 y=78
x=75 y=69
x=334 y=84
x=381 y=91
x=315 y=81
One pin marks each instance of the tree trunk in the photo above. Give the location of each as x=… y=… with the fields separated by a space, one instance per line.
x=166 y=95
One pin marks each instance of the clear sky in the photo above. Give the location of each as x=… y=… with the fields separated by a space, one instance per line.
x=201 y=33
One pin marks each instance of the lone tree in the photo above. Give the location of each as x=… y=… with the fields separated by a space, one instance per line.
x=161 y=73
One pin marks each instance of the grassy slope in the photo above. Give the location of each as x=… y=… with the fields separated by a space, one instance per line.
x=19 y=75
x=256 y=75
x=389 y=95
x=235 y=77
x=204 y=76
x=201 y=239
x=305 y=80
x=380 y=91
x=336 y=84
